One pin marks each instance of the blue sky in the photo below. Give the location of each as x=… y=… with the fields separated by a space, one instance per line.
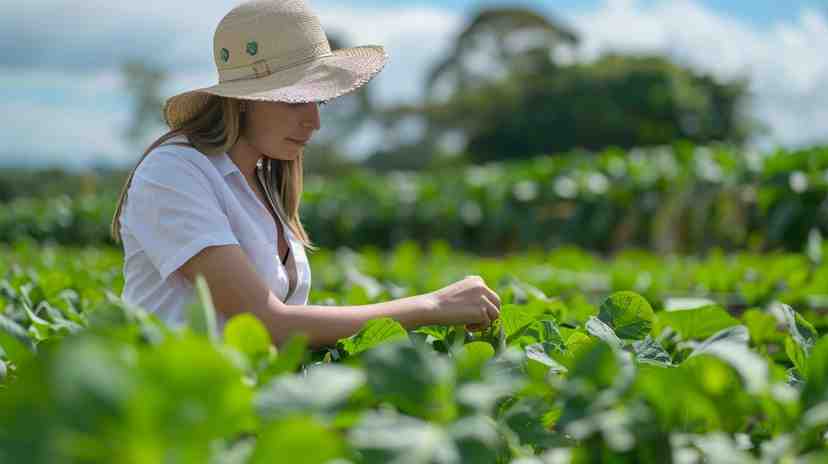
x=61 y=82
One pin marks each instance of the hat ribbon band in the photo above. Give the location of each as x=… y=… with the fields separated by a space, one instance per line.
x=263 y=68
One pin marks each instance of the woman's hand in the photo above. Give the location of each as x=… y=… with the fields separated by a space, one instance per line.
x=468 y=301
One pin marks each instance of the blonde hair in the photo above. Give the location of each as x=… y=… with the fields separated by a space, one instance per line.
x=213 y=131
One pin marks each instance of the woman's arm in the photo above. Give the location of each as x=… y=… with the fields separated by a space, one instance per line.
x=236 y=287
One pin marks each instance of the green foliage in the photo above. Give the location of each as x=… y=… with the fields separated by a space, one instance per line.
x=632 y=102
x=628 y=313
x=676 y=197
x=697 y=323
x=625 y=381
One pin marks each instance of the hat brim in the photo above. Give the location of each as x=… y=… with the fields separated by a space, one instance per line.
x=344 y=71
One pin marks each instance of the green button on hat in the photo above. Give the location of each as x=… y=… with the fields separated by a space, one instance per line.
x=252 y=48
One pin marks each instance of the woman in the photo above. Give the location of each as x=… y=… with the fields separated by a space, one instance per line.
x=220 y=194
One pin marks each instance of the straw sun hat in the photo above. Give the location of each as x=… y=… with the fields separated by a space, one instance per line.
x=276 y=50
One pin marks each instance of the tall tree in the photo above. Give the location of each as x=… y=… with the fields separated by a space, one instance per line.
x=143 y=83
x=506 y=38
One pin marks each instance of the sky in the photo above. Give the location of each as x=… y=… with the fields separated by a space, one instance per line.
x=64 y=101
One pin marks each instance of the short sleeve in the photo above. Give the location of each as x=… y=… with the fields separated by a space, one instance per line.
x=173 y=212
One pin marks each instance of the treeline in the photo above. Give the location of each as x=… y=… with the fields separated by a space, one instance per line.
x=681 y=197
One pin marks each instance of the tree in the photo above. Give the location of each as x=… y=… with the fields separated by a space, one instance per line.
x=540 y=106
x=509 y=38
x=143 y=82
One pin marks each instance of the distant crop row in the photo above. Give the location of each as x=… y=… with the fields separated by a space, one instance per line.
x=563 y=376
x=680 y=198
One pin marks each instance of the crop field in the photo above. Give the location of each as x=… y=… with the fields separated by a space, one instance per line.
x=640 y=357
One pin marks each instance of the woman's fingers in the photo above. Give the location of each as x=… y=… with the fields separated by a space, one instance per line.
x=492 y=310
x=493 y=297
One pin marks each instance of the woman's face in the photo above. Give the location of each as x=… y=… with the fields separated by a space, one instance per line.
x=269 y=126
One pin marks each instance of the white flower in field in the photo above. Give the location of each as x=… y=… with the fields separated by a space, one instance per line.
x=798 y=181
x=525 y=190
x=566 y=187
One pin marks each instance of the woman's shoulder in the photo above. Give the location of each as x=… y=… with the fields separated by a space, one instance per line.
x=173 y=158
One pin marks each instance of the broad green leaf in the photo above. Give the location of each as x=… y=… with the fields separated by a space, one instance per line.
x=697 y=323
x=514 y=318
x=477 y=438
x=202 y=313
x=650 y=351
x=536 y=331
x=386 y=436
x=802 y=332
x=628 y=313
x=16 y=344
x=539 y=362
x=322 y=389
x=297 y=439
x=796 y=353
x=438 y=332
x=816 y=379
x=597 y=328
x=578 y=341
x=525 y=418
x=246 y=333
x=761 y=326
x=730 y=345
x=413 y=379
x=373 y=333
x=471 y=358
x=290 y=356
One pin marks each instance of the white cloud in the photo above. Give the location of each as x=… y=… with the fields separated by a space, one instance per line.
x=63 y=134
x=786 y=63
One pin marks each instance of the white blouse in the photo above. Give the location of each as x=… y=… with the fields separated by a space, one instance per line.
x=181 y=201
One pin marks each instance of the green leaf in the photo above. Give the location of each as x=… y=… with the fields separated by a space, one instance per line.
x=650 y=351
x=537 y=331
x=762 y=327
x=411 y=378
x=15 y=341
x=321 y=389
x=290 y=356
x=387 y=436
x=628 y=313
x=796 y=353
x=802 y=332
x=471 y=358
x=539 y=363
x=297 y=439
x=373 y=333
x=246 y=333
x=815 y=389
x=202 y=313
x=730 y=345
x=514 y=318
x=597 y=328
x=697 y=323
